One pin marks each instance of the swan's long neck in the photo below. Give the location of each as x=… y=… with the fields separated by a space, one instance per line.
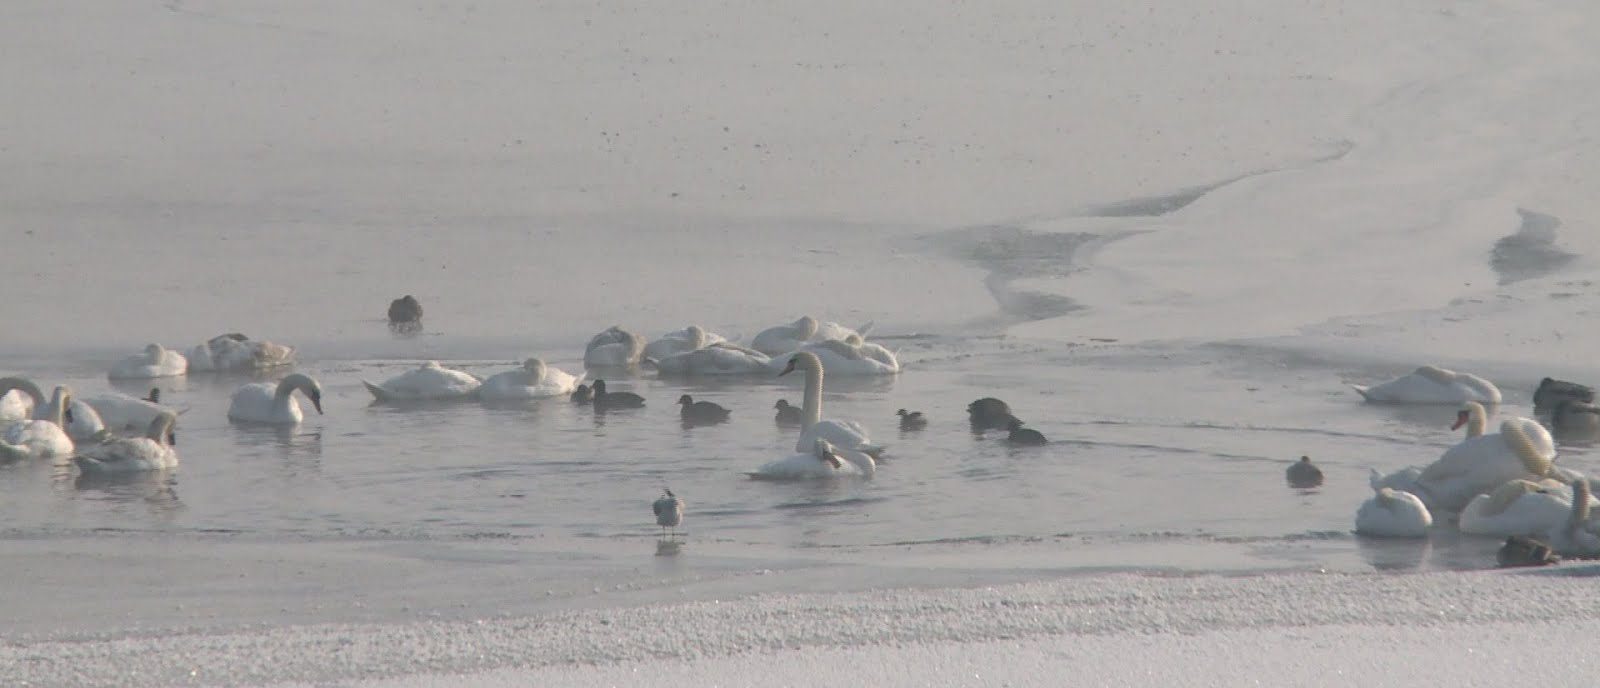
x=1517 y=439
x=286 y=388
x=26 y=386
x=161 y=426
x=58 y=406
x=812 y=411
x=1580 y=505
x=1477 y=420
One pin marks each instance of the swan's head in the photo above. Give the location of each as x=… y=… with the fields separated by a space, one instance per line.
x=782 y=404
x=1464 y=415
x=153 y=350
x=534 y=366
x=802 y=360
x=806 y=326
x=685 y=400
x=825 y=453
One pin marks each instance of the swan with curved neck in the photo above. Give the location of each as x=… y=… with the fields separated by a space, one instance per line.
x=151 y=452
x=1577 y=534
x=19 y=406
x=83 y=422
x=1474 y=417
x=850 y=436
x=45 y=438
x=1517 y=507
x=534 y=380
x=263 y=402
x=1522 y=449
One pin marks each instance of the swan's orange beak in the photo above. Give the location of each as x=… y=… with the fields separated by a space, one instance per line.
x=1461 y=419
x=787 y=369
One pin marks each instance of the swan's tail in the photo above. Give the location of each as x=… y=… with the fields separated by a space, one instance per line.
x=378 y=393
x=865 y=328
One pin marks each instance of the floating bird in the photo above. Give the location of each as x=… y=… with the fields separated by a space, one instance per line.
x=911 y=420
x=844 y=436
x=582 y=395
x=1432 y=385
x=153 y=362
x=428 y=382
x=788 y=416
x=82 y=421
x=234 y=351
x=152 y=452
x=783 y=339
x=691 y=338
x=1023 y=437
x=405 y=310
x=823 y=461
x=669 y=512
x=605 y=401
x=1552 y=392
x=614 y=348
x=988 y=413
x=534 y=380
x=1518 y=507
x=266 y=403
x=1575 y=420
x=26 y=439
x=1303 y=474
x=701 y=412
x=1393 y=513
x=1521 y=550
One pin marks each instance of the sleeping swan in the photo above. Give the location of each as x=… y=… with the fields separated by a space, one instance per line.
x=1518 y=507
x=1578 y=535
x=843 y=358
x=133 y=454
x=534 y=380
x=685 y=340
x=122 y=413
x=153 y=362
x=722 y=358
x=782 y=339
x=1392 y=513
x=1432 y=385
x=613 y=348
x=264 y=402
x=38 y=439
x=234 y=351
x=822 y=462
x=428 y=382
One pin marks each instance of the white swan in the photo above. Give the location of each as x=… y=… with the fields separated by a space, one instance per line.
x=681 y=341
x=534 y=380
x=1432 y=385
x=1477 y=465
x=122 y=413
x=1392 y=513
x=133 y=454
x=234 y=351
x=721 y=358
x=843 y=358
x=846 y=436
x=153 y=362
x=15 y=405
x=35 y=439
x=782 y=339
x=264 y=402
x=1518 y=507
x=823 y=461
x=613 y=348
x=429 y=382
x=82 y=421
x=1578 y=535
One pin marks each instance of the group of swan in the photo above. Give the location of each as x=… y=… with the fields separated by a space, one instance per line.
x=228 y=352
x=433 y=382
x=694 y=351
x=826 y=448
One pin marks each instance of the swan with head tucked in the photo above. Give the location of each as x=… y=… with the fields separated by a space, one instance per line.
x=1393 y=513
x=688 y=339
x=822 y=462
x=1432 y=385
x=845 y=436
x=718 y=359
x=843 y=358
x=534 y=380
x=83 y=422
x=125 y=414
x=614 y=348
x=782 y=339
x=36 y=439
x=1518 y=507
x=427 y=382
x=153 y=362
x=133 y=454
x=1522 y=449
x=264 y=402
x=234 y=351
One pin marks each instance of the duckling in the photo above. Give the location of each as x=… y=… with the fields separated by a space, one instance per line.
x=701 y=412
x=605 y=401
x=1021 y=436
x=911 y=420
x=1303 y=474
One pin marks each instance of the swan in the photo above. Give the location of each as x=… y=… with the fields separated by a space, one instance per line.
x=614 y=348
x=83 y=423
x=25 y=439
x=234 y=351
x=844 y=358
x=534 y=380
x=1573 y=419
x=1303 y=474
x=722 y=358
x=1578 y=535
x=1552 y=392
x=1473 y=417
x=133 y=454
x=823 y=461
x=1518 y=507
x=681 y=341
x=264 y=402
x=405 y=310
x=847 y=436
x=1432 y=385
x=123 y=413
x=153 y=362
x=1479 y=464
x=669 y=512
x=873 y=350
x=782 y=339
x=1393 y=513
x=427 y=382
x=15 y=405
